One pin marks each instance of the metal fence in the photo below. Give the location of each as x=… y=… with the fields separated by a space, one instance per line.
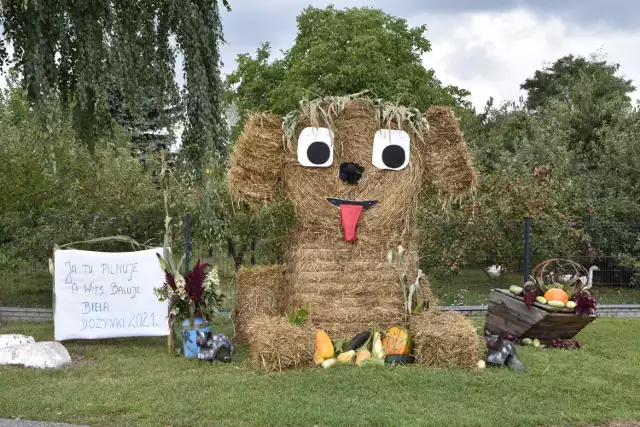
x=612 y=246
x=27 y=240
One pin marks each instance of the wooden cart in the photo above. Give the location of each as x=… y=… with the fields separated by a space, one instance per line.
x=508 y=314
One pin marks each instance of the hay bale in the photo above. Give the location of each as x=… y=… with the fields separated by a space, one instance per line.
x=449 y=167
x=347 y=287
x=257 y=161
x=275 y=344
x=445 y=339
x=397 y=192
x=257 y=293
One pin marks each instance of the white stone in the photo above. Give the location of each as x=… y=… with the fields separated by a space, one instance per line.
x=7 y=340
x=45 y=354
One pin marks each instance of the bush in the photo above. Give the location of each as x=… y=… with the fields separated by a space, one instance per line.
x=54 y=191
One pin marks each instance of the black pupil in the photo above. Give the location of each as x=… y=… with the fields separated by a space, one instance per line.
x=318 y=152
x=393 y=156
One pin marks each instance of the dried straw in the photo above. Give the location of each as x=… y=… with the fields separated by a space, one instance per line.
x=275 y=344
x=346 y=287
x=445 y=339
x=322 y=111
x=257 y=161
x=397 y=192
x=430 y=300
x=257 y=293
x=451 y=172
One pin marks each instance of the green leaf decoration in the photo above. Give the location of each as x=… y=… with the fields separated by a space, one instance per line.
x=339 y=345
x=298 y=317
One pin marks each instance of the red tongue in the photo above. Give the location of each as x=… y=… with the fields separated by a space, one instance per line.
x=350 y=215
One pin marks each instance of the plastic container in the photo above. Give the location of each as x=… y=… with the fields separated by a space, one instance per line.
x=189 y=335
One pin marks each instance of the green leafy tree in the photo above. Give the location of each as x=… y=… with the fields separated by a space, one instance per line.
x=525 y=170
x=85 y=52
x=591 y=90
x=338 y=52
x=152 y=128
x=218 y=222
x=558 y=81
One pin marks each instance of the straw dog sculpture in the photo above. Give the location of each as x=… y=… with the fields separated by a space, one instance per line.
x=354 y=170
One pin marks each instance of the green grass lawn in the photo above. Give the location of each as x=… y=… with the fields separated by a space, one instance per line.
x=135 y=382
x=471 y=287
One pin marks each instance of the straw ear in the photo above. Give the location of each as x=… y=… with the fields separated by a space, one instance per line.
x=258 y=160
x=448 y=165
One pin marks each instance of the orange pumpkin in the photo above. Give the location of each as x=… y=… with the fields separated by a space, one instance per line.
x=397 y=341
x=556 y=295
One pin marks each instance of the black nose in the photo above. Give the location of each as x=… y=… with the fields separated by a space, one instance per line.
x=351 y=172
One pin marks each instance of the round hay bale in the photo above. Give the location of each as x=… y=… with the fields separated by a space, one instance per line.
x=397 y=193
x=275 y=344
x=257 y=293
x=445 y=339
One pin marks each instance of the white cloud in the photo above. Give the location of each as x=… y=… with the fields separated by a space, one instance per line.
x=491 y=54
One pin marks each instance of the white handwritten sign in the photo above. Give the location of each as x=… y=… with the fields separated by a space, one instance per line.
x=108 y=295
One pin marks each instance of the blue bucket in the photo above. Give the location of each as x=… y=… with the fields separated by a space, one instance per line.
x=189 y=335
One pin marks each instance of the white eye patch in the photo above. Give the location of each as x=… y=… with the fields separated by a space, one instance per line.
x=391 y=149
x=315 y=147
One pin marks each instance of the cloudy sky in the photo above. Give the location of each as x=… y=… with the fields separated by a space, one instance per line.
x=486 y=46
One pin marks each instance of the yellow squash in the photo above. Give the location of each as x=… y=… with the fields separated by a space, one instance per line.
x=346 y=357
x=324 y=346
x=363 y=355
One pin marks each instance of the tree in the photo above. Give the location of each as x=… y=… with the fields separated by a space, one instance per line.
x=217 y=221
x=525 y=170
x=592 y=92
x=338 y=52
x=150 y=129
x=85 y=52
x=55 y=191
x=557 y=81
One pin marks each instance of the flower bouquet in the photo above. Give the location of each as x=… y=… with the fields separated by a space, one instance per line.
x=193 y=299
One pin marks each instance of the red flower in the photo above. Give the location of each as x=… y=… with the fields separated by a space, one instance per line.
x=529 y=297
x=169 y=280
x=194 y=282
x=585 y=304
